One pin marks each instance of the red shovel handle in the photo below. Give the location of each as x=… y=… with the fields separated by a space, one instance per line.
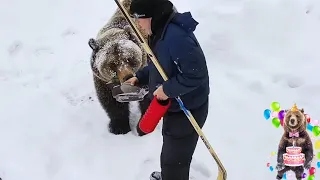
x=152 y=116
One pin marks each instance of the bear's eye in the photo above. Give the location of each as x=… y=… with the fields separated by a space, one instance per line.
x=131 y=62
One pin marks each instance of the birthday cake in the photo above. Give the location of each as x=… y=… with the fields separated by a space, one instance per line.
x=293 y=157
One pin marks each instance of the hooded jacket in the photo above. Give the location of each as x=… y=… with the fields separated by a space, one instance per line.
x=181 y=57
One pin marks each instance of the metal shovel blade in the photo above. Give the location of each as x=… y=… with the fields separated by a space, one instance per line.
x=128 y=93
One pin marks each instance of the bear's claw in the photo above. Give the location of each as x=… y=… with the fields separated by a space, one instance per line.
x=280 y=166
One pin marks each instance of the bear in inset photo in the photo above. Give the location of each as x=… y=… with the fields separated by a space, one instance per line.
x=295 y=151
x=117 y=55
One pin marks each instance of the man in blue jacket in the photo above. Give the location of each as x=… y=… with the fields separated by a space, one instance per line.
x=179 y=53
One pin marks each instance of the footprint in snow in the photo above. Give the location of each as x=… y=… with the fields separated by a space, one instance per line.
x=294 y=82
x=291 y=81
x=256 y=86
x=43 y=50
x=15 y=48
x=200 y=168
x=277 y=78
x=233 y=76
x=146 y=168
x=75 y=101
x=68 y=32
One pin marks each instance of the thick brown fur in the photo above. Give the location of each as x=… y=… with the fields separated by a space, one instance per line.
x=295 y=121
x=117 y=55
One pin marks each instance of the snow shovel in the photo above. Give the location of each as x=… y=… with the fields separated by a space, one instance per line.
x=128 y=93
x=222 y=173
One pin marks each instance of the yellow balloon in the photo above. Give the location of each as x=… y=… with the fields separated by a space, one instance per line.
x=317 y=144
x=273 y=153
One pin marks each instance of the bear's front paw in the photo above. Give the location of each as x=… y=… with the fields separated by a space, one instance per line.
x=307 y=165
x=279 y=177
x=117 y=128
x=280 y=166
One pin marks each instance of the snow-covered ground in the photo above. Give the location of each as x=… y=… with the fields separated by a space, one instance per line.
x=53 y=128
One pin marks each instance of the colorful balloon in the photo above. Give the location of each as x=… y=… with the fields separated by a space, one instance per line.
x=312 y=170
x=311 y=177
x=268 y=164
x=314 y=122
x=275 y=106
x=317 y=144
x=281 y=114
x=267 y=114
x=318 y=155
x=308 y=118
x=274 y=114
x=284 y=176
x=316 y=130
x=276 y=122
x=309 y=127
x=271 y=168
x=318 y=164
x=281 y=122
x=304 y=175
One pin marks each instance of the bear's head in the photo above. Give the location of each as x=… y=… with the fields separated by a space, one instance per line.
x=294 y=120
x=117 y=55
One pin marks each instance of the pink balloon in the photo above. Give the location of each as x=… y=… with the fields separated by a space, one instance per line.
x=315 y=122
x=274 y=114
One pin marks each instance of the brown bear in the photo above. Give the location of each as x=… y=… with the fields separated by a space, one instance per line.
x=117 y=55
x=295 y=134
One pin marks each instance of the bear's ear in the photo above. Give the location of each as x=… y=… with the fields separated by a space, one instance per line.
x=132 y=36
x=302 y=110
x=93 y=44
x=127 y=29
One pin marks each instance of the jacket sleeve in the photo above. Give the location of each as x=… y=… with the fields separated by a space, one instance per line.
x=143 y=75
x=191 y=62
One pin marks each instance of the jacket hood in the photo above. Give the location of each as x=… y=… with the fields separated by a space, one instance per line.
x=185 y=21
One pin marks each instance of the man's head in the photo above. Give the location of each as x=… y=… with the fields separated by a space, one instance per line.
x=145 y=10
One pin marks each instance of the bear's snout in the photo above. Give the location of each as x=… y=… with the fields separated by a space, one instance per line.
x=293 y=121
x=124 y=72
x=128 y=77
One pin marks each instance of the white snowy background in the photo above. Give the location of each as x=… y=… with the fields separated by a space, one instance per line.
x=53 y=128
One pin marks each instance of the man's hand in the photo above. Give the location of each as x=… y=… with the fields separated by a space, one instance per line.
x=133 y=81
x=160 y=94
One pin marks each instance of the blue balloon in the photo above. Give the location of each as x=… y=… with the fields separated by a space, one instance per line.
x=318 y=164
x=284 y=176
x=267 y=114
x=309 y=127
x=271 y=168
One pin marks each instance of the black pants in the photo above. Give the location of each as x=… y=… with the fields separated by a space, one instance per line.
x=179 y=143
